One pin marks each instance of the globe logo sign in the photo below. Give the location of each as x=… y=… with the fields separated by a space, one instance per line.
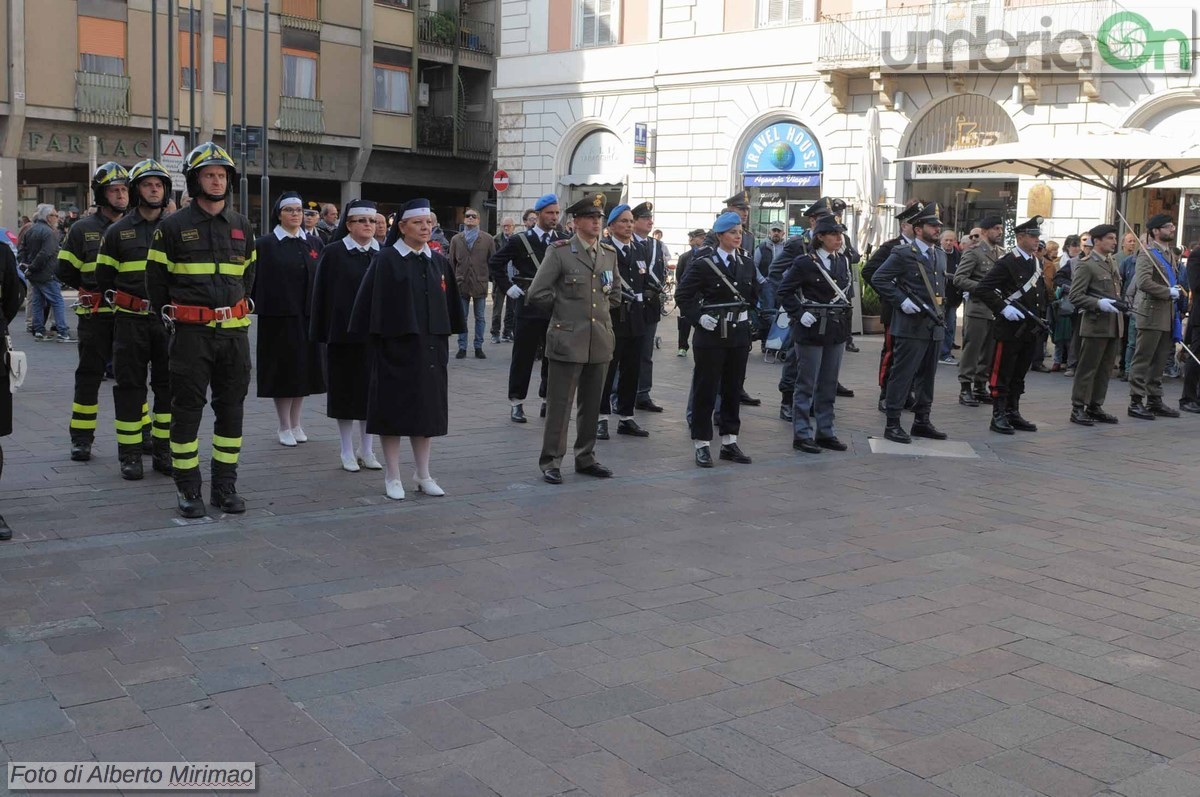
x=782 y=156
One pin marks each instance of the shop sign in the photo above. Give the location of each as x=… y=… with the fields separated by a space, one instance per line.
x=783 y=154
x=65 y=145
x=598 y=153
x=771 y=201
x=641 y=141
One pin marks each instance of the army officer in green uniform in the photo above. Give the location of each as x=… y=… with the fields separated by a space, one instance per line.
x=1096 y=290
x=578 y=284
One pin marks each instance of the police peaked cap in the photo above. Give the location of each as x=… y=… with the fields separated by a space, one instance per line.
x=929 y=214
x=643 y=210
x=827 y=224
x=825 y=206
x=1032 y=227
x=739 y=200
x=906 y=215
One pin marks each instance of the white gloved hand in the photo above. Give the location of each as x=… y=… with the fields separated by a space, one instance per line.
x=514 y=292
x=1012 y=313
x=708 y=322
x=910 y=307
x=640 y=297
x=1174 y=292
x=1107 y=306
x=808 y=319
x=966 y=296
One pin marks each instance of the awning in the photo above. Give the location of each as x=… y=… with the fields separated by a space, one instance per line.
x=592 y=179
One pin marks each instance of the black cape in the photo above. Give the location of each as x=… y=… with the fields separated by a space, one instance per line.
x=340 y=273
x=409 y=306
x=289 y=363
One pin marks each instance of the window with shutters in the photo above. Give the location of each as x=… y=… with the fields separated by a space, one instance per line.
x=597 y=22
x=101 y=46
x=785 y=12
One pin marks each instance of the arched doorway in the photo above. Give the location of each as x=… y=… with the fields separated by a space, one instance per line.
x=960 y=122
x=597 y=165
x=780 y=165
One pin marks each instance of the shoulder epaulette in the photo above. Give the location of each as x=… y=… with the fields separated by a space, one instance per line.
x=561 y=242
x=608 y=246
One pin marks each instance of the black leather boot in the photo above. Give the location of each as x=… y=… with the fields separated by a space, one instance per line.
x=895 y=432
x=1000 y=419
x=1080 y=416
x=131 y=466
x=81 y=450
x=966 y=396
x=602 y=429
x=1014 y=416
x=225 y=497
x=191 y=502
x=1138 y=410
x=923 y=427
x=1156 y=406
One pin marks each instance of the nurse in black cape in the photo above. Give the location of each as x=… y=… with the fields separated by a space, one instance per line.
x=340 y=271
x=408 y=306
x=289 y=365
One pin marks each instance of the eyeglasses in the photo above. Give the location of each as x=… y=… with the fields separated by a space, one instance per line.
x=289 y=210
x=973 y=237
x=470 y=216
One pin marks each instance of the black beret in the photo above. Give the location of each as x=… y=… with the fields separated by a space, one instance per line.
x=989 y=221
x=1158 y=220
x=1101 y=230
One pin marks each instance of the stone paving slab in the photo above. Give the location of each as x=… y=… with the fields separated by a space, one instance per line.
x=1018 y=619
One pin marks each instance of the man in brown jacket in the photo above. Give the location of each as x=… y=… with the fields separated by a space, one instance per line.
x=975 y=360
x=578 y=284
x=468 y=254
x=1095 y=290
x=1157 y=277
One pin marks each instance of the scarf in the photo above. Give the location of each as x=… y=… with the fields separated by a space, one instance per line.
x=471 y=235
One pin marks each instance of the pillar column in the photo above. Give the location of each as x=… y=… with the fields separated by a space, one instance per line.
x=8 y=193
x=351 y=189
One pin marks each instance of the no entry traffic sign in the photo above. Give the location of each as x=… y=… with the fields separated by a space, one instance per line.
x=500 y=180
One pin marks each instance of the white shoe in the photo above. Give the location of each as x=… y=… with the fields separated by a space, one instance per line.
x=395 y=490
x=299 y=434
x=429 y=487
x=287 y=438
x=349 y=463
x=368 y=460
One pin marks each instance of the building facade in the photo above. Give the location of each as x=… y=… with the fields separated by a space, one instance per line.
x=772 y=96
x=373 y=98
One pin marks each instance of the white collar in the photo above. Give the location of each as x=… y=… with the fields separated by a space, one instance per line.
x=281 y=233
x=924 y=247
x=1023 y=255
x=405 y=250
x=539 y=232
x=639 y=238
x=622 y=245
x=352 y=245
x=825 y=257
x=728 y=257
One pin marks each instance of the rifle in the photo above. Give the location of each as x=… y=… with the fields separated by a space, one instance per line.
x=723 y=311
x=823 y=311
x=1120 y=304
x=1025 y=311
x=925 y=307
x=1167 y=282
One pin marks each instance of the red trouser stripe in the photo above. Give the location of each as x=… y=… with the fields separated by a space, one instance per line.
x=886 y=363
x=994 y=382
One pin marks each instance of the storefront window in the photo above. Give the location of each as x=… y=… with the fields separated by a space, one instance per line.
x=781 y=168
x=1189 y=229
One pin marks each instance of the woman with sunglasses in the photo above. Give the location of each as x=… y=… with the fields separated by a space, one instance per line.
x=289 y=364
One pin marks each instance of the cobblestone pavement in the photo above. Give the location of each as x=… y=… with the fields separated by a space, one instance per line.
x=1022 y=620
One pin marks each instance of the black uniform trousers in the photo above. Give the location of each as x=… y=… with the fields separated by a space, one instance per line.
x=528 y=335
x=202 y=357
x=887 y=359
x=627 y=358
x=1191 y=371
x=718 y=371
x=140 y=343
x=1009 y=366
x=95 y=352
x=685 y=331
x=914 y=363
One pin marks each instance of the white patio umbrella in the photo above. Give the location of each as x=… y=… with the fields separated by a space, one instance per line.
x=1117 y=160
x=871 y=192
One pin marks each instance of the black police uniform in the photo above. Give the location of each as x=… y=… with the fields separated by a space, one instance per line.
x=77 y=269
x=720 y=354
x=1017 y=278
x=139 y=341
x=629 y=327
x=206 y=261
x=917 y=336
x=886 y=357
x=526 y=251
x=656 y=277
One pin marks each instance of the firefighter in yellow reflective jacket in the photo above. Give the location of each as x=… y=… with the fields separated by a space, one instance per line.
x=77 y=269
x=198 y=275
x=139 y=337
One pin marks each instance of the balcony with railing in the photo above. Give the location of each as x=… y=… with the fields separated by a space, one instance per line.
x=301 y=119
x=476 y=39
x=301 y=14
x=102 y=98
x=435 y=136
